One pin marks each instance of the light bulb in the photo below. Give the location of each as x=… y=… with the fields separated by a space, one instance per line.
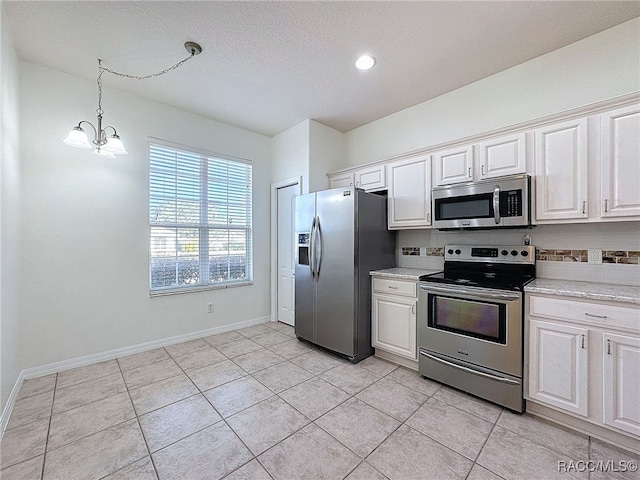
x=365 y=62
x=77 y=138
x=115 y=145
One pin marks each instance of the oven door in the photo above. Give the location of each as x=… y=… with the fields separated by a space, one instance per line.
x=477 y=326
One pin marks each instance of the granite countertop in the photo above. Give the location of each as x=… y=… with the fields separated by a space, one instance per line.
x=402 y=273
x=586 y=290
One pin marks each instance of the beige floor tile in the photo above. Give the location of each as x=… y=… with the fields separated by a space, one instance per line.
x=35 y=386
x=512 y=456
x=291 y=348
x=238 y=347
x=98 y=455
x=258 y=360
x=489 y=411
x=350 y=378
x=144 y=358
x=208 y=454
x=282 y=376
x=184 y=348
x=377 y=366
x=154 y=372
x=23 y=443
x=200 y=358
x=270 y=338
x=215 y=375
x=364 y=471
x=318 y=362
x=222 y=338
x=140 y=470
x=314 y=398
x=251 y=471
x=358 y=426
x=28 y=470
x=573 y=444
x=254 y=330
x=72 y=425
x=31 y=409
x=282 y=327
x=615 y=462
x=310 y=453
x=86 y=373
x=398 y=459
x=265 y=424
x=87 y=392
x=460 y=431
x=233 y=397
x=160 y=394
x=412 y=379
x=479 y=473
x=393 y=399
x=174 y=422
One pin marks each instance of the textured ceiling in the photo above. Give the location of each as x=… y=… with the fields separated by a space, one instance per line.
x=267 y=66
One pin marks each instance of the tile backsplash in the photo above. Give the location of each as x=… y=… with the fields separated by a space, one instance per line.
x=630 y=257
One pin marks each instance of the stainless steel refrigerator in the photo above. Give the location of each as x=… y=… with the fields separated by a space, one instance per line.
x=341 y=235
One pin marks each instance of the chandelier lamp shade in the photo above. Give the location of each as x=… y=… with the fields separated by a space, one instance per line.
x=106 y=140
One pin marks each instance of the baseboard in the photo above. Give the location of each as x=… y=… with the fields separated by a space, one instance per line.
x=110 y=355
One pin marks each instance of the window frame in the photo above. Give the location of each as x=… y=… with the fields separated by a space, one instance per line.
x=203 y=226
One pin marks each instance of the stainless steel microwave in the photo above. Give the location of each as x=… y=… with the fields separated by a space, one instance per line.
x=494 y=203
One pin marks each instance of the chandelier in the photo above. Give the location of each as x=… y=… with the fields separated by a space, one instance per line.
x=106 y=141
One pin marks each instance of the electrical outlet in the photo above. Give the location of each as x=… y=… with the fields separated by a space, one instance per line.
x=423 y=251
x=595 y=256
x=210 y=307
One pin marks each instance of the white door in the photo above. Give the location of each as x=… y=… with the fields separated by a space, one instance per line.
x=286 y=267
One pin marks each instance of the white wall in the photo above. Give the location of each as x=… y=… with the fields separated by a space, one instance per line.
x=597 y=68
x=9 y=213
x=85 y=224
x=327 y=152
x=290 y=155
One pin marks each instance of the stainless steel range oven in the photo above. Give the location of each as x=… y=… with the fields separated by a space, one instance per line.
x=470 y=321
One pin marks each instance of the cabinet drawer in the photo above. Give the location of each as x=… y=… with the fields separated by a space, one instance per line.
x=395 y=287
x=585 y=312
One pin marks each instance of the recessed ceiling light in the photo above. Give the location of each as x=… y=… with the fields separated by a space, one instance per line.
x=365 y=62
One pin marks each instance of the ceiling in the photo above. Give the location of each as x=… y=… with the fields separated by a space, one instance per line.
x=267 y=66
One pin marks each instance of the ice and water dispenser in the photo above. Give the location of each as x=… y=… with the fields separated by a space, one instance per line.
x=303 y=249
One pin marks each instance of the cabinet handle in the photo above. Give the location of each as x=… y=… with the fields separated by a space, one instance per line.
x=606 y=205
x=482 y=169
x=608 y=347
x=392 y=287
x=429 y=217
x=583 y=340
x=469 y=172
x=595 y=316
x=413 y=308
x=584 y=207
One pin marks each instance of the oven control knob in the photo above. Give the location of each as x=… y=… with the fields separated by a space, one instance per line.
x=458 y=252
x=450 y=251
x=504 y=252
x=514 y=252
x=524 y=253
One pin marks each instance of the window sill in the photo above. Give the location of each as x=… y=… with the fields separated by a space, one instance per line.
x=200 y=288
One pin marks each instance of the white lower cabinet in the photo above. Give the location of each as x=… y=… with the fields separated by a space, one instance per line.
x=393 y=317
x=584 y=360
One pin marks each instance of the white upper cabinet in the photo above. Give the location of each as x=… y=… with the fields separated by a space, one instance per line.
x=409 y=193
x=620 y=167
x=371 y=178
x=502 y=156
x=454 y=165
x=561 y=170
x=340 y=180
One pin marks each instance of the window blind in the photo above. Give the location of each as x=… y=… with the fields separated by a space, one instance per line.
x=200 y=220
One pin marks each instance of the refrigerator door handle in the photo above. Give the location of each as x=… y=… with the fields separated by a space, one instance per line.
x=312 y=245
x=318 y=246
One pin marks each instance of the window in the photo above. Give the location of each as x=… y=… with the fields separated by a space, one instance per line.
x=199 y=218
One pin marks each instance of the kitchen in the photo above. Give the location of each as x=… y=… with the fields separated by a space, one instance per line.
x=77 y=309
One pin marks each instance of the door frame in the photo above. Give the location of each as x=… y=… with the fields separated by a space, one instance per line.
x=274 y=238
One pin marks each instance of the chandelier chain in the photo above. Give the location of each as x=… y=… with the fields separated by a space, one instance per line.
x=144 y=77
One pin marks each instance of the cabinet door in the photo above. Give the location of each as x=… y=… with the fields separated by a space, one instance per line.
x=620 y=174
x=409 y=193
x=561 y=171
x=341 y=180
x=453 y=166
x=502 y=156
x=621 y=382
x=372 y=178
x=558 y=365
x=394 y=325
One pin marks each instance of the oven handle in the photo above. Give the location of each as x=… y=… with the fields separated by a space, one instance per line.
x=470 y=370
x=479 y=293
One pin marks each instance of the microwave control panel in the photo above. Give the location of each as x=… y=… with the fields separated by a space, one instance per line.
x=511 y=203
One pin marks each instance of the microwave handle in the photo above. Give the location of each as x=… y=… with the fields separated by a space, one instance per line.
x=496 y=204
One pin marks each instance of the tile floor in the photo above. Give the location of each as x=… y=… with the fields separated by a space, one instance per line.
x=256 y=403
